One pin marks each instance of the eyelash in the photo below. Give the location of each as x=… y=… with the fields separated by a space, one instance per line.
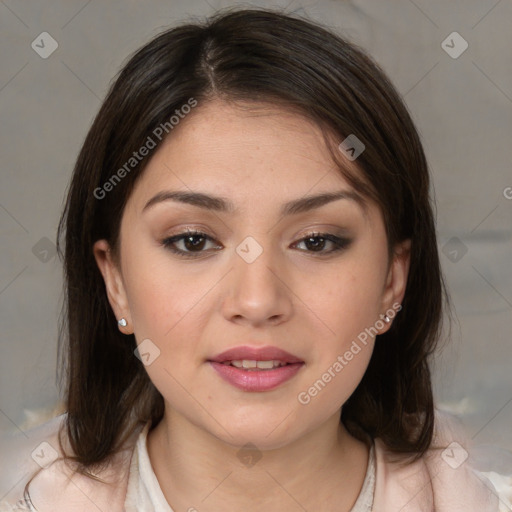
x=339 y=243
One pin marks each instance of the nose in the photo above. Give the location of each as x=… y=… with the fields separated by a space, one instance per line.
x=257 y=290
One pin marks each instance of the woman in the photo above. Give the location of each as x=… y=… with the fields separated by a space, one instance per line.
x=253 y=290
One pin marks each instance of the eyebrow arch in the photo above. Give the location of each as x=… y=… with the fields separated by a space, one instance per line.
x=221 y=204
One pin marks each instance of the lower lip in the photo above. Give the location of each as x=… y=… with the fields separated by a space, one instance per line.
x=256 y=380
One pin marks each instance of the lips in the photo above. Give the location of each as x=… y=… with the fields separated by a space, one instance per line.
x=256 y=354
x=242 y=367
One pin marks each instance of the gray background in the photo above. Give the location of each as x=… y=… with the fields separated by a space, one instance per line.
x=462 y=107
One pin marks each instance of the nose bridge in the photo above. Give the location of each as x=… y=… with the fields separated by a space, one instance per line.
x=253 y=263
x=257 y=290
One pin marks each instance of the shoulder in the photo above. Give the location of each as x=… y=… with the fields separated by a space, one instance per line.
x=56 y=487
x=445 y=479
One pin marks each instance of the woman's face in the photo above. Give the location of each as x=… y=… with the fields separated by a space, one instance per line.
x=256 y=277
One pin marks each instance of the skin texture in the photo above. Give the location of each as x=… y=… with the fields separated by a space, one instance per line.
x=309 y=303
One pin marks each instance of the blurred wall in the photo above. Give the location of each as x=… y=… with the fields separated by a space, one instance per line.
x=449 y=59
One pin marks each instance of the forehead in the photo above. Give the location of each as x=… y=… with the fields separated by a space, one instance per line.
x=220 y=132
x=250 y=152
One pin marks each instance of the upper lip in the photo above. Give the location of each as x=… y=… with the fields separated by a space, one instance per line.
x=256 y=354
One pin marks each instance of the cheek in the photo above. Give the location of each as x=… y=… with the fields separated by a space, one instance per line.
x=159 y=296
x=348 y=300
x=166 y=310
x=171 y=310
x=343 y=356
x=336 y=382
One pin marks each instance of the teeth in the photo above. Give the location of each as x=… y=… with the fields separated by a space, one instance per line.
x=266 y=365
x=251 y=364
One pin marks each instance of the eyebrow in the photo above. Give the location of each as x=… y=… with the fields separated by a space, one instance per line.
x=224 y=205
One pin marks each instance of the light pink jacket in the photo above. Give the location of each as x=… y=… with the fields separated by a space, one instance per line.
x=441 y=481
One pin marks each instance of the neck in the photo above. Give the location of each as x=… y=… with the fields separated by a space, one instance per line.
x=195 y=469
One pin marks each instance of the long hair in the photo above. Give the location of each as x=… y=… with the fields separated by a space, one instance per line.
x=270 y=57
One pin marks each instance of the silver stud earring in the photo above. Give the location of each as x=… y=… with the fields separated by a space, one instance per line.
x=122 y=322
x=387 y=319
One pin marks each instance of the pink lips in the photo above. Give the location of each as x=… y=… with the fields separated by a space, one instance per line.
x=256 y=380
x=256 y=354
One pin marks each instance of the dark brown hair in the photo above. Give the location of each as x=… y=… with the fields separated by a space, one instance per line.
x=268 y=57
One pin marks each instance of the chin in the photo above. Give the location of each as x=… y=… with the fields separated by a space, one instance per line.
x=268 y=431
x=247 y=439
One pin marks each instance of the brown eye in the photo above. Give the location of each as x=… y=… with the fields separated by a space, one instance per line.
x=193 y=242
x=316 y=242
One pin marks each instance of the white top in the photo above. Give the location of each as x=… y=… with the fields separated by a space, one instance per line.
x=145 y=495
x=482 y=484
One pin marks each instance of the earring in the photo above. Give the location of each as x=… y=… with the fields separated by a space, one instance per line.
x=122 y=322
x=387 y=319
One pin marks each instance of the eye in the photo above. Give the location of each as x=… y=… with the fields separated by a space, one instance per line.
x=318 y=241
x=193 y=243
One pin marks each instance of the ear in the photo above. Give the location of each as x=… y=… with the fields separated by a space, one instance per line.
x=113 y=283
x=396 y=281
